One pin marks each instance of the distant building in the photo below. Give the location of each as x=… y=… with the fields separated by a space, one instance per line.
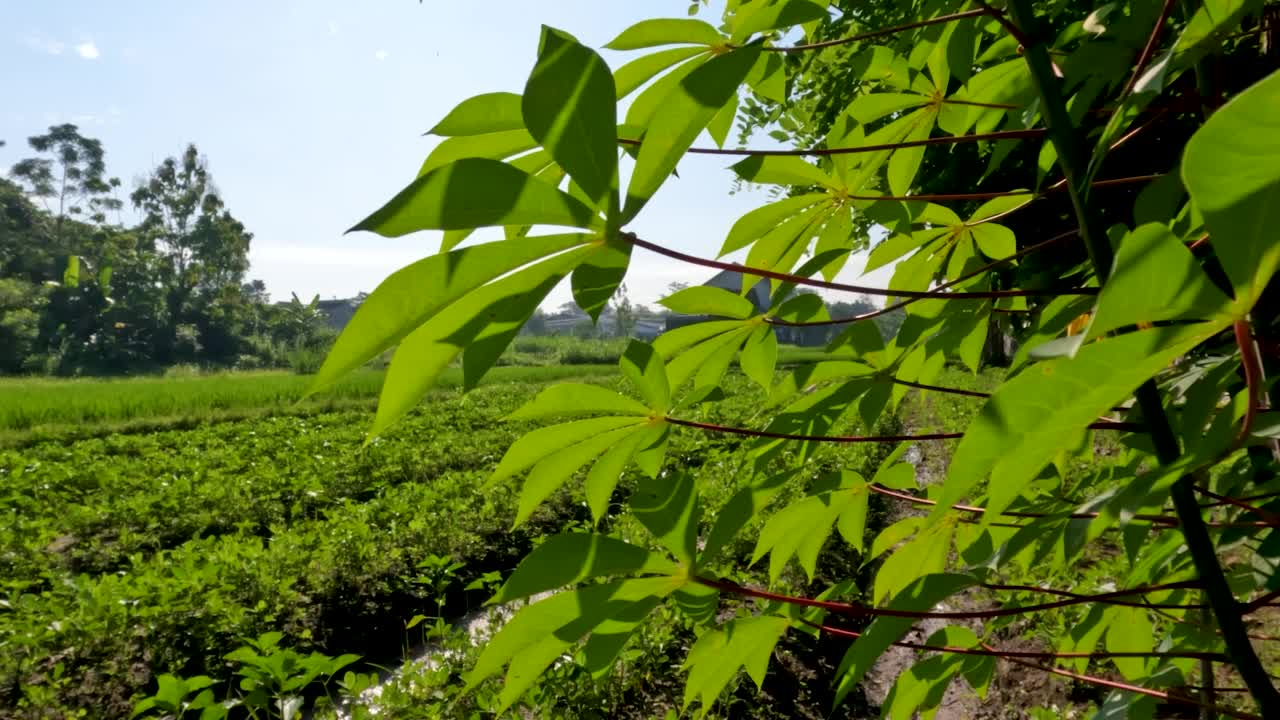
x=339 y=312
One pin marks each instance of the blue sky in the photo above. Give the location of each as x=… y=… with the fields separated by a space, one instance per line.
x=311 y=114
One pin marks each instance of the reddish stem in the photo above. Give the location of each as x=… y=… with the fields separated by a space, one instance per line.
x=1261 y=602
x=1148 y=51
x=1267 y=515
x=1101 y=425
x=799 y=280
x=890 y=308
x=1252 y=378
x=860 y=610
x=1115 y=685
x=989 y=651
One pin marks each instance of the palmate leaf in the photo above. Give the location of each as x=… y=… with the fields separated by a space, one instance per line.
x=718 y=654
x=1035 y=414
x=641 y=364
x=687 y=110
x=667 y=506
x=768 y=16
x=569 y=105
x=800 y=530
x=922 y=594
x=785 y=170
x=596 y=280
x=569 y=558
x=539 y=633
x=493 y=146
x=1154 y=277
x=413 y=294
x=481 y=115
x=708 y=300
x=476 y=192
x=576 y=399
x=480 y=323
x=646 y=105
x=651 y=33
x=631 y=76
x=757 y=223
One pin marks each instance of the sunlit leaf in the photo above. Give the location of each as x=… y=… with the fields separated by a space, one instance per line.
x=476 y=192
x=569 y=558
x=482 y=114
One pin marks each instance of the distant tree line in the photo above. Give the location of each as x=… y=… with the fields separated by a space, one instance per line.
x=81 y=292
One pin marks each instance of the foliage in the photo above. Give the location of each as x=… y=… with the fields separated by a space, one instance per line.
x=1139 y=314
x=80 y=293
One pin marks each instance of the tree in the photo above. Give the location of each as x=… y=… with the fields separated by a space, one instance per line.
x=202 y=248
x=70 y=177
x=624 y=314
x=1140 y=315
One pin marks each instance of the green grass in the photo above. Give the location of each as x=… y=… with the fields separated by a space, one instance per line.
x=27 y=403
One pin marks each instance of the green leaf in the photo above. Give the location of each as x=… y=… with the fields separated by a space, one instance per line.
x=1014 y=437
x=609 y=637
x=709 y=300
x=781 y=170
x=768 y=79
x=670 y=344
x=758 y=222
x=494 y=146
x=836 y=237
x=651 y=33
x=667 y=506
x=603 y=477
x=995 y=241
x=718 y=654
x=919 y=596
x=597 y=279
x=1154 y=277
x=722 y=123
x=686 y=112
x=572 y=399
x=476 y=192
x=643 y=69
x=895 y=246
x=774 y=16
x=642 y=365
x=718 y=352
x=924 y=554
x=871 y=107
x=563 y=619
x=482 y=114
x=1231 y=167
x=538 y=444
x=906 y=161
x=1129 y=630
x=647 y=103
x=801 y=529
x=999 y=206
x=569 y=558
x=413 y=294
x=71 y=275
x=569 y=105
x=759 y=356
x=556 y=468
x=739 y=510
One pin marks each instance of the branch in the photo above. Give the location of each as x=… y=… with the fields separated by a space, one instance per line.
x=1101 y=425
x=1253 y=381
x=865 y=290
x=860 y=610
x=1167 y=697
x=880 y=490
x=877 y=33
x=1148 y=51
x=988 y=651
x=1272 y=518
x=821 y=152
x=890 y=308
x=1194 y=530
x=1261 y=602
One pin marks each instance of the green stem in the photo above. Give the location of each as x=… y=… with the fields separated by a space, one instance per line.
x=1226 y=609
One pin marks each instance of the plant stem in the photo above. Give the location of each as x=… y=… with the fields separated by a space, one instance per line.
x=1203 y=553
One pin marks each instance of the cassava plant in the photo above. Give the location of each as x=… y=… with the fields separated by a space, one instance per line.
x=1137 y=284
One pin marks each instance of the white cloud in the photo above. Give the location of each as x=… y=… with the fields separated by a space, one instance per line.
x=43 y=44
x=382 y=55
x=334 y=27
x=88 y=50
